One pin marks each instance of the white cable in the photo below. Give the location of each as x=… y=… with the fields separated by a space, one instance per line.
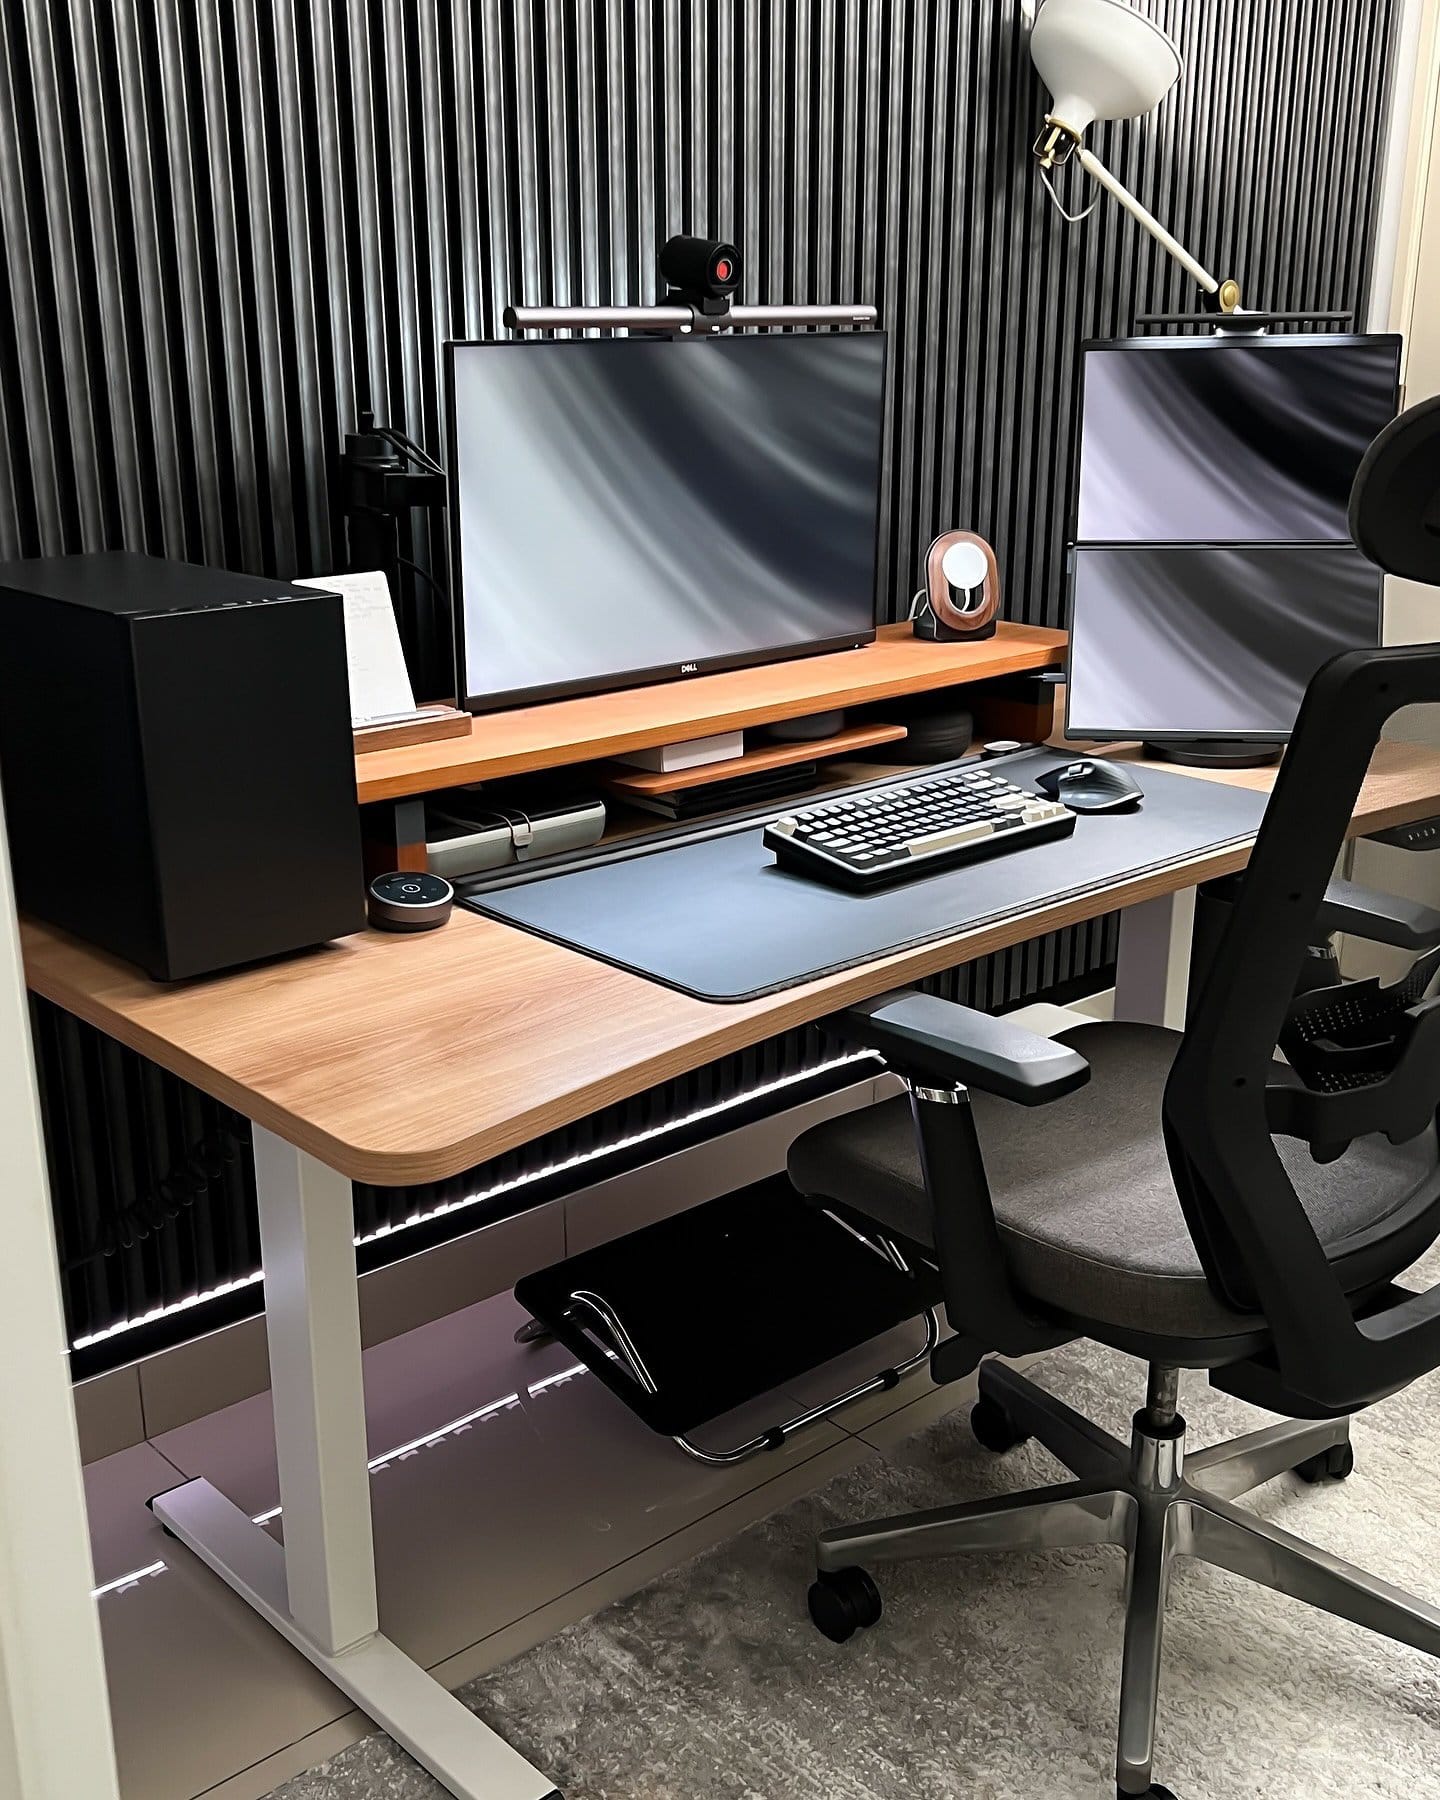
x=1069 y=217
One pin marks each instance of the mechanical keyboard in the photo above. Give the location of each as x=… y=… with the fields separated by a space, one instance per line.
x=881 y=835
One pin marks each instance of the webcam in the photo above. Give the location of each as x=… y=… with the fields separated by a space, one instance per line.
x=705 y=272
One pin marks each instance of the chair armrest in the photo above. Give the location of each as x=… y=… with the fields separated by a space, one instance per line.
x=1364 y=912
x=939 y=1042
x=1379 y=918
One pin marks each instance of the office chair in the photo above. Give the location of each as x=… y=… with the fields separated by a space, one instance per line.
x=1187 y=1199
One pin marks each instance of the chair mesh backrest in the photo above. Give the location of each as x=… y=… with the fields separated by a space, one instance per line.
x=1253 y=1236
x=1243 y=1211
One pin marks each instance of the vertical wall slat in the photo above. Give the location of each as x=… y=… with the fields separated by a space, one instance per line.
x=267 y=215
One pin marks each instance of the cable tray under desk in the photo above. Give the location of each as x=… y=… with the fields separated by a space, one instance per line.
x=690 y=1318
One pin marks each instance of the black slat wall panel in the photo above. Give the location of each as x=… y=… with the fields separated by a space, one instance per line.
x=228 y=225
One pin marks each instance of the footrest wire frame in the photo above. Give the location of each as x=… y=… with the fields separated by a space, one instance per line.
x=585 y=1303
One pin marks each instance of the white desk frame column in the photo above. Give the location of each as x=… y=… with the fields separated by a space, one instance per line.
x=318 y=1590
x=55 y=1741
x=1152 y=966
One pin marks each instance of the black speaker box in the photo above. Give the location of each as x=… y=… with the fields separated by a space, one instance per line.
x=178 y=762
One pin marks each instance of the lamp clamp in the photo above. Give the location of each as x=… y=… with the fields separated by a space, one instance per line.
x=384 y=479
x=384 y=471
x=1056 y=144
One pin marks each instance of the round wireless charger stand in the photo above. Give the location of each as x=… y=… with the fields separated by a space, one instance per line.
x=1215 y=753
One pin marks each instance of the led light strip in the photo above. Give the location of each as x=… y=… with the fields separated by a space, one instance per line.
x=169 y=1311
x=399 y=1453
x=578 y=1161
x=625 y=1143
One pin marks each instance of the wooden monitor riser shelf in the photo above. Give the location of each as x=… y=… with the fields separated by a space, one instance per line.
x=848 y=743
x=410 y=1059
x=591 y=727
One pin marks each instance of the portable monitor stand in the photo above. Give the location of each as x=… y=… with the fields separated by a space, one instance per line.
x=1216 y=753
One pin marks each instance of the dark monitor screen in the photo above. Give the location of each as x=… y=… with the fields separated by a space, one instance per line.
x=635 y=509
x=1191 y=641
x=1214 y=440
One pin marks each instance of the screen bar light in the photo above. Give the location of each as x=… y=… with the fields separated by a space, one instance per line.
x=700 y=278
x=683 y=319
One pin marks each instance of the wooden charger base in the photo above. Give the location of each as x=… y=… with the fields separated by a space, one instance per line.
x=428 y=724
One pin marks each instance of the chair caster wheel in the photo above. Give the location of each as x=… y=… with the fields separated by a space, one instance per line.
x=843 y=1602
x=1156 y=1792
x=994 y=1428
x=1333 y=1464
x=533 y=1332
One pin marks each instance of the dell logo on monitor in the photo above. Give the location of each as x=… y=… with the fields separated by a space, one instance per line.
x=689 y=668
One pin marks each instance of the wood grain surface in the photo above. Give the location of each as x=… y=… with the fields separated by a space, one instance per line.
x=849 y=742
x=408 y=1059
x=561 y=733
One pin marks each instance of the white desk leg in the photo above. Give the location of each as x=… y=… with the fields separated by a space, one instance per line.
x=319 y=1590
x=1152 y=969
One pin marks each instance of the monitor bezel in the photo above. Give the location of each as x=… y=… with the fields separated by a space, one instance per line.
x=1178 y=735
x=1220 y=344
x=511 y=698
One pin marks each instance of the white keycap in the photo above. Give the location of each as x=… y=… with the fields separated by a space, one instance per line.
x=947 y=840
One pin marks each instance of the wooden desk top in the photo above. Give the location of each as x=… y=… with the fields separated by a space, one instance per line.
x=401 y=1060
x=563 y=732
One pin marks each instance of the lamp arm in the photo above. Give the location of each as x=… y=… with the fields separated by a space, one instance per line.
x=1197 y=271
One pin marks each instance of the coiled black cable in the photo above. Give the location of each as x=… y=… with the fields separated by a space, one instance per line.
x=192 y=1178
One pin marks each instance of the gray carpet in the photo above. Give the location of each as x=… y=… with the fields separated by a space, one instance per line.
x=994 y=1678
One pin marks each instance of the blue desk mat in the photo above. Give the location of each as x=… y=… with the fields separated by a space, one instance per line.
x=712 y=916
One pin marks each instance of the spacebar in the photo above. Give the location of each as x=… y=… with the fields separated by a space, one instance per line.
x=947 y=840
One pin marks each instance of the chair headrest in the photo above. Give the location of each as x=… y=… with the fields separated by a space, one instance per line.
x=1395 y=503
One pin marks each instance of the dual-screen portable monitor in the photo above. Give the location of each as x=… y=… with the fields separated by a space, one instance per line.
x=636 y=509
x=1212 y=570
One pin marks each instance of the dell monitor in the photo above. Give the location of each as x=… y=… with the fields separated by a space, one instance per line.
x=639 y=509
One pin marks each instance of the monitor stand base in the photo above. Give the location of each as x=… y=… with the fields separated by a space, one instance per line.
x=1216 y=753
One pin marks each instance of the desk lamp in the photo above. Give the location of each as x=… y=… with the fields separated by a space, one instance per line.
x=1102 y=60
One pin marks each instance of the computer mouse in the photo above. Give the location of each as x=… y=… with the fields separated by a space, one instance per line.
x=1089 y=785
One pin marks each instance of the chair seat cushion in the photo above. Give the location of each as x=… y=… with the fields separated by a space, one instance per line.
x=1085 y=1203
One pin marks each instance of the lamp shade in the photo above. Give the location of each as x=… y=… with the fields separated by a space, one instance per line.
x=1101 y=60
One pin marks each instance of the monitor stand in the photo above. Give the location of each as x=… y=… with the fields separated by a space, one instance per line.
x=1216 y=753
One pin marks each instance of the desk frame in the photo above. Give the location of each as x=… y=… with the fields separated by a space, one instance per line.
x=318 y=1589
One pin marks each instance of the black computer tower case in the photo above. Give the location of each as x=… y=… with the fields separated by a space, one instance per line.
x=177 y=759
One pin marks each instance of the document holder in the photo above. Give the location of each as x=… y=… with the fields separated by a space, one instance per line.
x=689 y=1318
